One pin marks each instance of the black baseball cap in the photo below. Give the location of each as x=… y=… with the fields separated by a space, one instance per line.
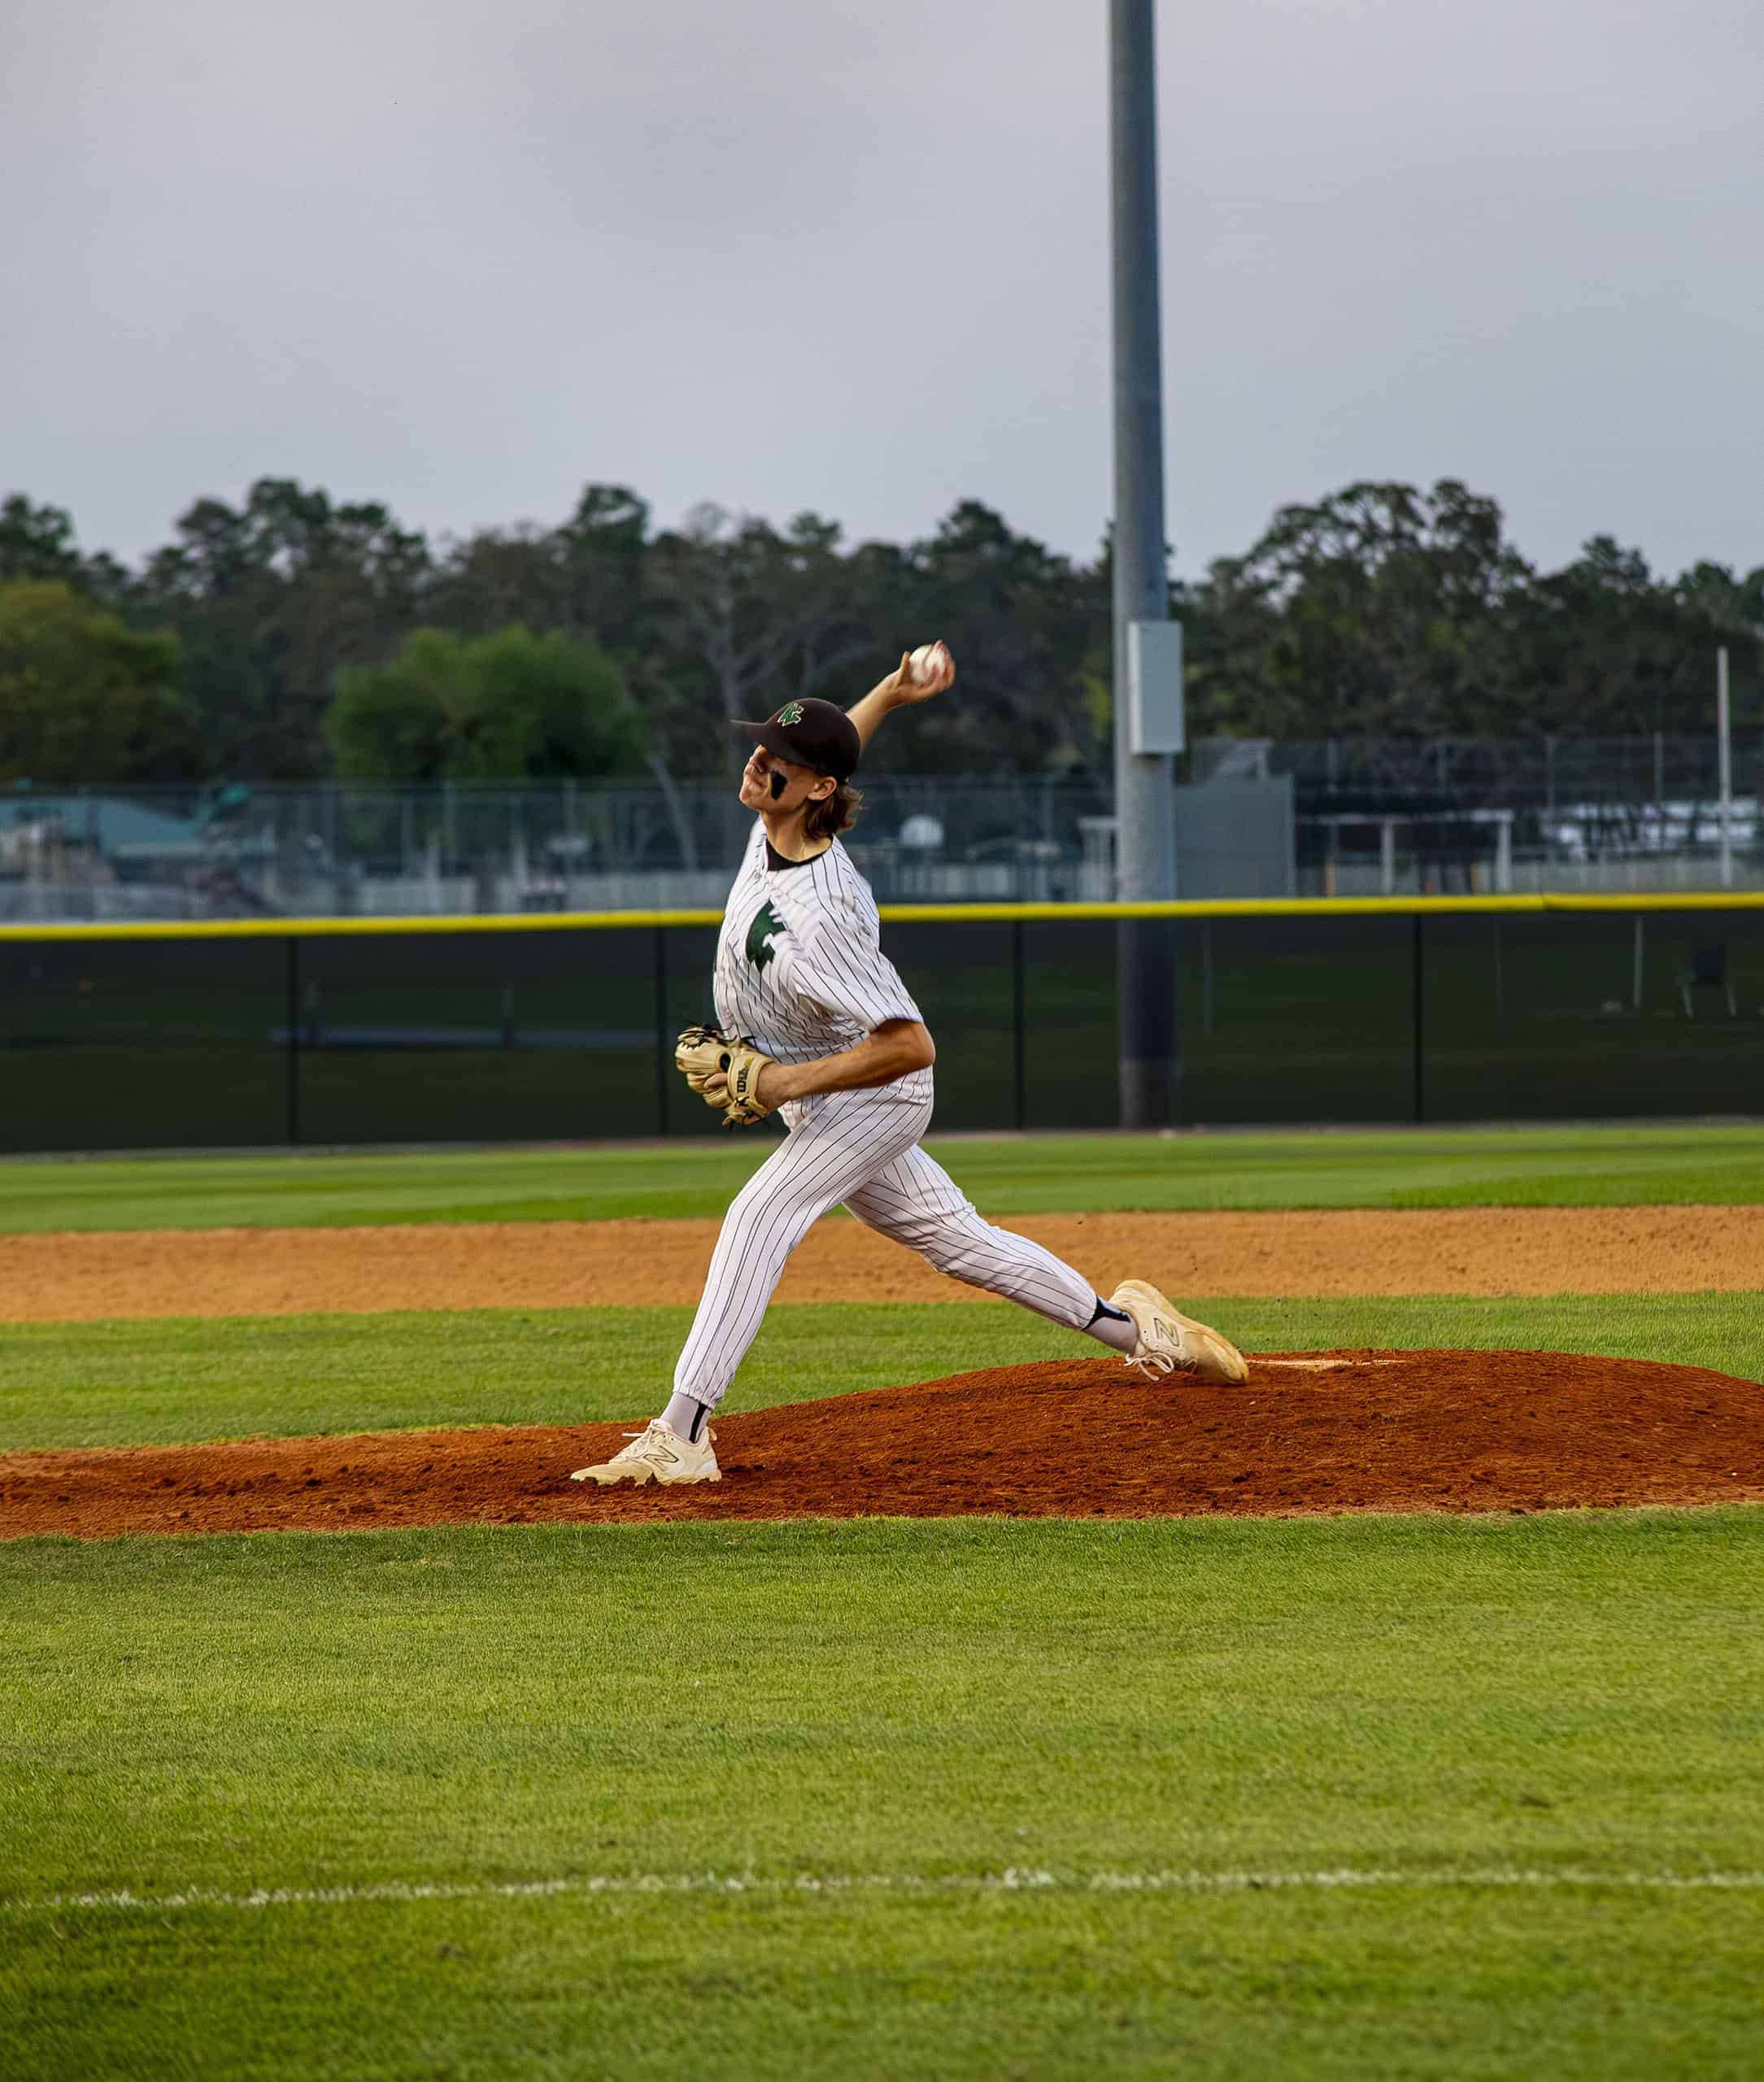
x=817 y=734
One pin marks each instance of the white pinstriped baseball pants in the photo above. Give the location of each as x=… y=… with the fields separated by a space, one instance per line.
x=859 y=1148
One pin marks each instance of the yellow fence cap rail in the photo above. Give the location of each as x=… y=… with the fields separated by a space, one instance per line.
x=307 y=929
x=955 y=914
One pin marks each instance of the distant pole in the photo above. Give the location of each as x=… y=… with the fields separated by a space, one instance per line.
x=1145 y=810
x=1724 y=749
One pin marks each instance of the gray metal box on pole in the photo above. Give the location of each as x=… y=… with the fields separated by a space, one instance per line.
x=1156 y=716
x=1724 y=759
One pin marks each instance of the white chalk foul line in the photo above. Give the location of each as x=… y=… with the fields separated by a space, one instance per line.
x=1014 y=1879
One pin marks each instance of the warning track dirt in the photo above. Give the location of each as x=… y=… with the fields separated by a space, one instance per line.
x=541 y=1264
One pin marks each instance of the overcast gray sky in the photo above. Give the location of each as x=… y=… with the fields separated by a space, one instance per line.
x=463 y=255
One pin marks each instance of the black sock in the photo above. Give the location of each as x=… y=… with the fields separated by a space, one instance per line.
x=685 y=1417
x=1111 y=1315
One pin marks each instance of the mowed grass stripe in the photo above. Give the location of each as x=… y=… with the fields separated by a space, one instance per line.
x=1566 y=1694
x=1013 y=1879
x=162 y=1383
x=1596 y=1166
x=1219 y=1987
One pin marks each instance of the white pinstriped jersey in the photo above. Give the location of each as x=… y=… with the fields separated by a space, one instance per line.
x=800 y=967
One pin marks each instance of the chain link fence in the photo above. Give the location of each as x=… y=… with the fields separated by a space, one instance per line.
x=1358 y=817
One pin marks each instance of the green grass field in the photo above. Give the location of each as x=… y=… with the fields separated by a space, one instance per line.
x=1617 y=1165
x=158 y=1383
x=1523 y=1726
x=1421 y=1797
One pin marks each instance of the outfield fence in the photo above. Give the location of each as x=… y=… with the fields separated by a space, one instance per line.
x=1346 y=817
x=353 y=1031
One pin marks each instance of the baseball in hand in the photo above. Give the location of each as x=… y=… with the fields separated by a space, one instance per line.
x=930 y=660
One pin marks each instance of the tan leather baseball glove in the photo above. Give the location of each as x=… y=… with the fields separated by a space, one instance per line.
x=703 y=1052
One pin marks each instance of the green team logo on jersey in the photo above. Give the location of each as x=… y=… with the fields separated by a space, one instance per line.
x=766 y=926
x=791 y=713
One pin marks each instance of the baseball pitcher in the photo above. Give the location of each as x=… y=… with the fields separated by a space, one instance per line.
x=815 y=1024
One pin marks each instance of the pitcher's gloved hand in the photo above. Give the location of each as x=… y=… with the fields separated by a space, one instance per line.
x=724 y=1071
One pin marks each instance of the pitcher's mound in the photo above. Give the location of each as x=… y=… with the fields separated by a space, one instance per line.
x=1309 y=1432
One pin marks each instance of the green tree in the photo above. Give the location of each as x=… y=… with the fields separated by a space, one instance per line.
x=1614 y=647
x=36 y=541
x=272 y=599
x=1029 y=630
x=748 y=617
x=585 y=577
x=505 y=707
x=1381 y=610
x=83 y=698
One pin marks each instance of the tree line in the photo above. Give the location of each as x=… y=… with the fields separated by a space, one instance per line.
x=294 y=637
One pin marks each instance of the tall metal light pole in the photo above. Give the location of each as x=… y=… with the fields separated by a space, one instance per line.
x=1145 y=733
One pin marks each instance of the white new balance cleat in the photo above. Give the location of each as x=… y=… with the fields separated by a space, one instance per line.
x=1172 y=1343
x=658 y=1453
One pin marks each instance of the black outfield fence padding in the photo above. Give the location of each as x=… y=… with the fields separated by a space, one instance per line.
x=328 y=1032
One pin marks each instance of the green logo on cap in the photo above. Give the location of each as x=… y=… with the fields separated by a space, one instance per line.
x=790 y=712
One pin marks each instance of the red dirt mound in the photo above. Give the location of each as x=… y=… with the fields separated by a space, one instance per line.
x=1347 y=1432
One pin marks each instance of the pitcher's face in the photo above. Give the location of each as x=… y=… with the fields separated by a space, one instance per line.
x=769 y=782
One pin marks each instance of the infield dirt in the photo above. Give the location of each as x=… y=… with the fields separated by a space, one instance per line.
x=74 y=1278
x=1464 y=1431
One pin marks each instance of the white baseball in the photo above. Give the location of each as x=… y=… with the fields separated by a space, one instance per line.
x=929 y=660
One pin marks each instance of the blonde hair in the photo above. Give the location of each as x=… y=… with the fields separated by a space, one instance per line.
x=834 y=814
